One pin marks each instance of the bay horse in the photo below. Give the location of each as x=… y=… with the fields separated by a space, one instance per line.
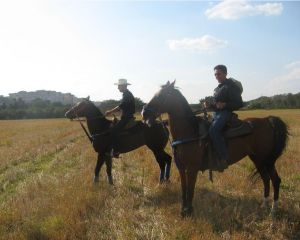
x=263 y=146
x=154 y=137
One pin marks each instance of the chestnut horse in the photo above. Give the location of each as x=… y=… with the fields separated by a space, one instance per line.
x=264 y=145
x=155 y=138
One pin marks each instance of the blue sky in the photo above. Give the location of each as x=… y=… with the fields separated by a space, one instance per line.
x=83 y=47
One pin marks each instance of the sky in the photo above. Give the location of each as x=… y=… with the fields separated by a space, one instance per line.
x=84 y=47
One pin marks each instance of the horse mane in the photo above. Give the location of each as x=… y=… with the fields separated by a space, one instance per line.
x=98 y=112
x=186 y=107
x=96 y=108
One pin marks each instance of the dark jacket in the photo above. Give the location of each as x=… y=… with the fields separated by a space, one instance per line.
x=127 y=104
x=229 y=93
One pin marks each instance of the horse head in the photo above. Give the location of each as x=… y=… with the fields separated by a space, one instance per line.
x=162 y=102
x=85 y=108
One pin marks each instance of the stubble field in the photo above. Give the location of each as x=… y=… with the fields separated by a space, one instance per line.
x=46 y=190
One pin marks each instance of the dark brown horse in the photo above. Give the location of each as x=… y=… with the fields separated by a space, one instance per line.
x=155 y=138
x=264 y=145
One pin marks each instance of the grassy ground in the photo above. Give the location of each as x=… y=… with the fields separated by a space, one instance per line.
x=46 y=191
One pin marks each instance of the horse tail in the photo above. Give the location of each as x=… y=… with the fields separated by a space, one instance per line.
x=281 y=135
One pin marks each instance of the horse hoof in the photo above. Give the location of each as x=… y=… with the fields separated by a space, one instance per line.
x=96 y=179
x=161 y=181
x=167 y=181
x=274 y=213
x=187 y=212
x=265 y=204
x=110 y=180
x=274 y=210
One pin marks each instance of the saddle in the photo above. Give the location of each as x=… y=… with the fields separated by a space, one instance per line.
x=234 y=128
x=132 y=123
x=131 y=127
x=237 y=127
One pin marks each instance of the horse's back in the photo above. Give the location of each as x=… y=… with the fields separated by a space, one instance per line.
x=259 y=143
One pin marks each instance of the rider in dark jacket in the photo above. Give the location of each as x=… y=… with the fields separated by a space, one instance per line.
x=227 y=98
x=127 y=106
x=229 y=93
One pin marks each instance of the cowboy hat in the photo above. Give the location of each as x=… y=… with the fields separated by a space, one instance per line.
x=122 y=81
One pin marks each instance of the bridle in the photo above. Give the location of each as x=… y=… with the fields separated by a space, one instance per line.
x=80 y=120
x=76 y=110
x=156 y=112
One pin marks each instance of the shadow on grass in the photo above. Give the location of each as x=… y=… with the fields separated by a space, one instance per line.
x=233 y=213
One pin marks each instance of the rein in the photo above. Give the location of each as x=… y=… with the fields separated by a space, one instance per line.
x=90 y=137
x=86 y=132
x=165 y=129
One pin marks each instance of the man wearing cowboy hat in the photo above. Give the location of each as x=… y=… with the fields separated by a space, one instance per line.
x=127 y=106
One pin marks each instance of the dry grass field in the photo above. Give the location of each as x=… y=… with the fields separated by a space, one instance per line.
x=46 y=191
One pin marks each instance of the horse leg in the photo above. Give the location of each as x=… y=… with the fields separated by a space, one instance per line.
x=162 y=165
x=108 y=163
x=183 y=181
x=168 y=161
x=191 y=182
x=99 y=164
x=276 y=185
x=266 y=181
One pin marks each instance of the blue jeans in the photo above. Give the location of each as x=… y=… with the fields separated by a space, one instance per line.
x=221 y=118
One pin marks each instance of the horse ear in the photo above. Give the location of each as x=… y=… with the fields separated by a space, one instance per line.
x=88 y=98
x=173 y=83
x=168 y=83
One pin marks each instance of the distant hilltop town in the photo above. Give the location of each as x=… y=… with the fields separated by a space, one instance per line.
x=52 y=96
x=52 y=104
x=47 y=104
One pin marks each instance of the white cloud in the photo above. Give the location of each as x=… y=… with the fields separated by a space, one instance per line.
x=292 y=73
x=235 y=9
x=205 y=43
x=293 y=65
x=287 y=82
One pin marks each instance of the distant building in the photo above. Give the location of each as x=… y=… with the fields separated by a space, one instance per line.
x=52 y=96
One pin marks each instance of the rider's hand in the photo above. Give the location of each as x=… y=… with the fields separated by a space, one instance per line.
x=205 y=105
x=220 y=105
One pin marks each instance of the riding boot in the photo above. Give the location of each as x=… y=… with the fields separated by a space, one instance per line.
x=114 y=151
x=115 y=143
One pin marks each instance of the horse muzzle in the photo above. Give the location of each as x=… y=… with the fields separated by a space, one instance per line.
x=70 y=115
x=148 y=115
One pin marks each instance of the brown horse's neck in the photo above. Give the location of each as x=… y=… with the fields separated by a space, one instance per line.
x=96 y=122
x=181 y=122
x=97 y=126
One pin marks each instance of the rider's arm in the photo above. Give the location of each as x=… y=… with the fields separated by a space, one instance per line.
x=234 y=99
x=116 y=109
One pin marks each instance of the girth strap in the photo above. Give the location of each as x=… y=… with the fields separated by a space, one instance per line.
x=184 y=141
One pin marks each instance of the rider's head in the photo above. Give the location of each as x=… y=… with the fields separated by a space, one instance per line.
x=220 y=73
x=122 y=88
x=122 y=84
